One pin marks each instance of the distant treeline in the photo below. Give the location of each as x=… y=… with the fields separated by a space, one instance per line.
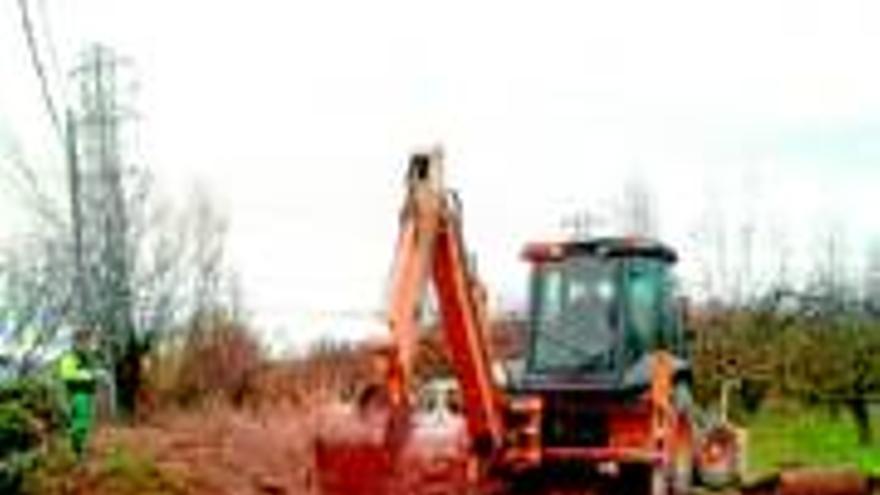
x=792 y=347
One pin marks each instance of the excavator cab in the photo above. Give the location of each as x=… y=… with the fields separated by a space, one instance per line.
x=607 y=361
x=598 y=308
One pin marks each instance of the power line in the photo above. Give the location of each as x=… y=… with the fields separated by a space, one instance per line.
x=48 y=41
x=27 y=27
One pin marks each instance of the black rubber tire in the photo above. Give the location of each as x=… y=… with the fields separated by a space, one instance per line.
x=660 y=483
x=683 y=466
x=681 y=473
x=643 y=479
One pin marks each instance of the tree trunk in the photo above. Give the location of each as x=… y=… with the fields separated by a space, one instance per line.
x=858 y=407
x=128 y=379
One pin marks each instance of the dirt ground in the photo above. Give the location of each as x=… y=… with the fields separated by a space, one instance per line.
x=227 y=452
x=217 y=452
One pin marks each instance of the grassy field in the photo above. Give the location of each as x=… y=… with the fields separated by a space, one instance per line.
x=784 y=436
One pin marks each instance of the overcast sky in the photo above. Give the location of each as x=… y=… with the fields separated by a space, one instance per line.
x=300 y=116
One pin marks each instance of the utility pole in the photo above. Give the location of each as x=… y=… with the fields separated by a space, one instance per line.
x=79 y=289
x=103 y=240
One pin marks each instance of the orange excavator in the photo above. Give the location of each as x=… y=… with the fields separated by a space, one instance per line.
x=603 y=390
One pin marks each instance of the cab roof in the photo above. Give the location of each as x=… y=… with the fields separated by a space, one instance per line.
x=606 y=247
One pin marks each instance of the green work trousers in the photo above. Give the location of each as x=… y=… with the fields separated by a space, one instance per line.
x=82 y=404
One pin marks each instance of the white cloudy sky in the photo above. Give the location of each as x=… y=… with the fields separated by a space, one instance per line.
x=299 y=115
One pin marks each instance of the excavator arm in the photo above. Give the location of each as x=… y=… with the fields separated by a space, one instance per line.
x=430 y=248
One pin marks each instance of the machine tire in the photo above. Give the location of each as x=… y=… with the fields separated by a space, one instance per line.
x=644 y=479
x=659 y=482
x=668 y=480
x=681 y=471
x=683 y=465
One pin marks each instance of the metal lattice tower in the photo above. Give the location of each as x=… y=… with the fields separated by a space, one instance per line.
x=101 y=198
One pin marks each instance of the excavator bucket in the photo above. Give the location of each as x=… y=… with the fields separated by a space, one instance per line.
x=373 y=452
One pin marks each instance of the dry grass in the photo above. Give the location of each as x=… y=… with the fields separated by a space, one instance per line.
x=216 y=450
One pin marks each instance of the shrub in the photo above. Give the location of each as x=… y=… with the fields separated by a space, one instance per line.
x=50 y=473
x=41 y=397
x=18 y=432
x=30 y=414
x=212 y=361
x=116 y=471
x=125 y=472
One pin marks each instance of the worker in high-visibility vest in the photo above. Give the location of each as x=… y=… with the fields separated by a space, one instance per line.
x=77 y=371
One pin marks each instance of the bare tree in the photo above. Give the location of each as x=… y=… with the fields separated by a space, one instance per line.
x=710 y=240
x=139 y=268
x=34 y=291
x=638 y=209
x=207 y=231
x=829 y=284
x=872 y=281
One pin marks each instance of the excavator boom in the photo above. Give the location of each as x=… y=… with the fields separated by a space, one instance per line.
x=380 y=446
x=431 y=248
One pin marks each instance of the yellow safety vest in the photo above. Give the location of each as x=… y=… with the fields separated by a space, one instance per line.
x=71 y=369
